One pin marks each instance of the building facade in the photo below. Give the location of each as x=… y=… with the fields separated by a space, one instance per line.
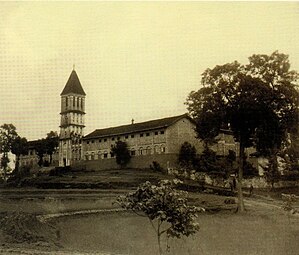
x=71 y=121
x=156 y=137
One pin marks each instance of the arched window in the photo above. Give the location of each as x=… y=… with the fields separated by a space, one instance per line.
x=163 y=149
x=78 y=102
x=74 y=103
x=140 y=150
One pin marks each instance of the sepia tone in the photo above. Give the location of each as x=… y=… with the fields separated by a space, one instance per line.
x=101 y=72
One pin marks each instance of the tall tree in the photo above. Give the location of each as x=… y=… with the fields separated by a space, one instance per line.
x=8 y=134
x=258 y=101
x=51 y=143
x=121 y=152
x=41 y=149
x=19 y=147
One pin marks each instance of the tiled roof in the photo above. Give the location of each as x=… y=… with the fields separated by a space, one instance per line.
x=73 y=85
x=136 y=127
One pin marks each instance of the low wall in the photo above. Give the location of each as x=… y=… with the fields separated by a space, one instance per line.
x=166 y=161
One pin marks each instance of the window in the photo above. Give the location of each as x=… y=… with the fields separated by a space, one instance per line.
x=162 y=132
x=163 y=149
x=105 y=140
x=74 y=101
x=100 y=140
x=78 y=102
x=66 y=102
x=118 y=138
x=112 y=138
x=141 y=135
x=132 y=136
x=156 y=133
x=126 y=136
x=147 y=134
x=92 y=141
x=105 y=155
x=133 y=153
x=87 y=142
x=140 y=150
x=112 y=154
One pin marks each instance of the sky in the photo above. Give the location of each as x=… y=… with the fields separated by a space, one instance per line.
x=135 y=60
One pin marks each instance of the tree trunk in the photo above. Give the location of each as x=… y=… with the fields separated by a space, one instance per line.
x=241 y=207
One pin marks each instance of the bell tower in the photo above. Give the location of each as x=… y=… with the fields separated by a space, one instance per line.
x=72 y=121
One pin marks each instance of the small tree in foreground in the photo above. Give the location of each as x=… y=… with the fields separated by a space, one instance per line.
x=165 y=207
x=121 y=152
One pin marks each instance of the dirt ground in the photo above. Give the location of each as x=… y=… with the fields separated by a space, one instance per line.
x=97 y=229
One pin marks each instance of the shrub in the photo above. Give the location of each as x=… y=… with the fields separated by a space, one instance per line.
x=156 y=167
x=165 y=207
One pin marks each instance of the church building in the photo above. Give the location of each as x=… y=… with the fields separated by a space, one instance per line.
x=71 y=121
x=157 y=140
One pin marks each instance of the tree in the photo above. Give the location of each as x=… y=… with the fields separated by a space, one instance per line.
x=8 y=134
x=258 y=101
x=51 y=143
x=187 y=155
x=41 y=149
x=272 y=173
x=165 y=207
x=121 y=152
x=19 y=147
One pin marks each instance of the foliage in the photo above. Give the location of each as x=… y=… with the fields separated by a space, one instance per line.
x=272 y=173
x=156 y=167
x=19 y=147
x=51 y=143
x=8 y=134
x=187 y=155
x=41 y=149
x=165 y=207
x=258 y=101
x=288 y=201
x=121 y=152
x=249 y=170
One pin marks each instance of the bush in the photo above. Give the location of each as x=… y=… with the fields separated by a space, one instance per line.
x=155 y=166
x=165 y=207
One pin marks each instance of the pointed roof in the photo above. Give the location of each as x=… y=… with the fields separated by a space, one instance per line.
x=73 y=85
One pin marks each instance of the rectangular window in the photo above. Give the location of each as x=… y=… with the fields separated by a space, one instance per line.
x=141 y=135
x=112 y=138
x=105 y=155
x=147 y=134
x=133 y=153
x=87 y=142
x=105 y=140
x=126 y=136
x=92 y=141
x=162 y=132
x=132 y=136
x=100 y=140
x=156 y=133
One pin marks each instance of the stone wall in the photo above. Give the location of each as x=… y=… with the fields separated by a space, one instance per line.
x=166 y=161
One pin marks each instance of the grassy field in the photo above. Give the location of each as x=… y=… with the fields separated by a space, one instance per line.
x=264 y=229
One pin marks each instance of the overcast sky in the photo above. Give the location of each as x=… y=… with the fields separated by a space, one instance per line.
x=134 y=59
